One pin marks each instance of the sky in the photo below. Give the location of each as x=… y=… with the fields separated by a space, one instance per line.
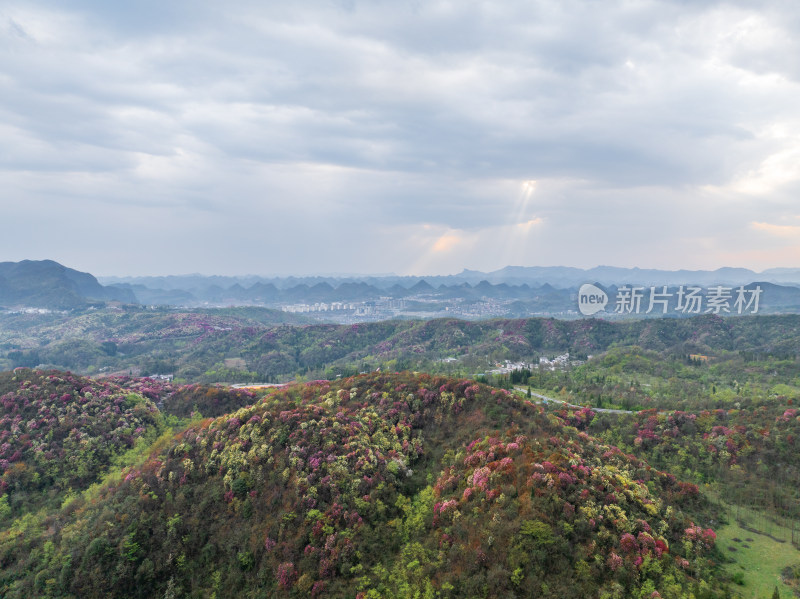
x=378 y=136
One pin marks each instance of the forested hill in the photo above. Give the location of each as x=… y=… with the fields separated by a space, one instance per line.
x=241 y=345
x=48 y=284
x=414 y=344
x=375 y=486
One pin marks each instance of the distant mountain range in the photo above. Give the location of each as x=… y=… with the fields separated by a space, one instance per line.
x=347 y=291
x=514 y=291
x=561 y=277
x=522 y=291
x=48 y=284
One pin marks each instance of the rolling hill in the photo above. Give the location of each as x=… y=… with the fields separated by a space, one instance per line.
x=375 y=486
x=251 y=344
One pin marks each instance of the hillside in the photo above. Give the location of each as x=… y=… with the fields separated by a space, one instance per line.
x=59 y=433
x=375 y=486
x=48 y=284
x=255 y=344
x=120 y=338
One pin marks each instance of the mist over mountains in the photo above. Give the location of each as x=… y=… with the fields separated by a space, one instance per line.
x=513 y=291
x=562 y=277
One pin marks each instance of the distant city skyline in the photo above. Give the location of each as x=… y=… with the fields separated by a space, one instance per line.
x=326 y=136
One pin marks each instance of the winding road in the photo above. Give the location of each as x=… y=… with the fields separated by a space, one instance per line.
x=546 y=399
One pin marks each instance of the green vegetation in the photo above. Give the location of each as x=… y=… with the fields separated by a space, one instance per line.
x=235 y=345
x=636 y=378
x=373 y=486
x=60 y=433
x=757 y=560
x=375 y=483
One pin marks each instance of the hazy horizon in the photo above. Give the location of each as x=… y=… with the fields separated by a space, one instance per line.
x=341 y=274
x=435 y=274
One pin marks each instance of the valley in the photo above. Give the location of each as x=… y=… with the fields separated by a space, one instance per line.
x=395 y=459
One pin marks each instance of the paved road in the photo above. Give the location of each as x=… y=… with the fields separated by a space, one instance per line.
x=545 y=399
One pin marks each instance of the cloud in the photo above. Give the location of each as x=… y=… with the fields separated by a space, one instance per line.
x=446 y=243
x=790 y=231
x=529 y=223
x=650 y=128
x=775 y=171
